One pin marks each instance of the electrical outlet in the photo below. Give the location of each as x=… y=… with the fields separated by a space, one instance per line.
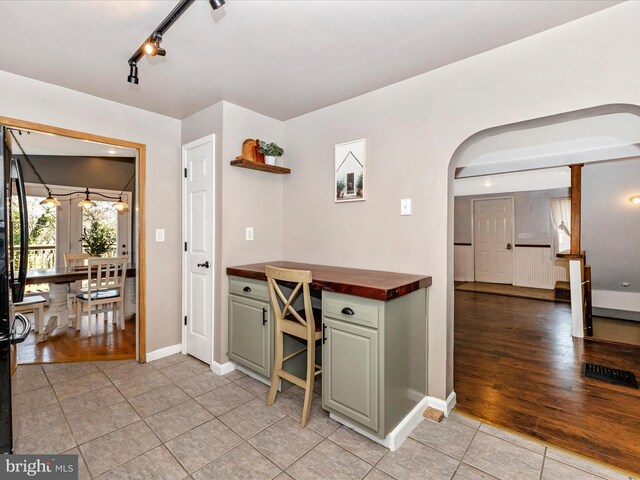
x=248 y=233
x=159 y=234
x=405 y=206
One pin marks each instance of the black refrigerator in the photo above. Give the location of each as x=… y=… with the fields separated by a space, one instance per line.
x=14 y=237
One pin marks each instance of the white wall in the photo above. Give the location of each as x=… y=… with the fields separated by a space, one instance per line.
x=413 y=129
x=28 y=99
x=245 y=198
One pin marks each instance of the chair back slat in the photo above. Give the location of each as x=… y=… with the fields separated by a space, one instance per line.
x=107 y=273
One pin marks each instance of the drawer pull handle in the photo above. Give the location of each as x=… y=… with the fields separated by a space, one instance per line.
x=247 y=289
x=264 y=315
x=324 y=333
x=348 y=311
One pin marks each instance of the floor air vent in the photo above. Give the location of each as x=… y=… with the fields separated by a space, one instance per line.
x=609 y=375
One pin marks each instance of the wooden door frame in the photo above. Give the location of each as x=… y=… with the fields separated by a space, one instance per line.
x=141 y=190
x=513 y=229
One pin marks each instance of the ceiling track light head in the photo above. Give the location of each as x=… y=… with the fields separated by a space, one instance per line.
x=151 y=46
x=133 y=73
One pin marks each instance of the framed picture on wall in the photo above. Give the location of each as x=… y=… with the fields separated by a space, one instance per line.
x=350 y=184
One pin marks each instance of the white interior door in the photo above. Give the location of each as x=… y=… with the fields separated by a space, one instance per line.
x=198 y=220
x=493 y=234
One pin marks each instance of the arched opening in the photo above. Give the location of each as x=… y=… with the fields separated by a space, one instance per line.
x=518 y=361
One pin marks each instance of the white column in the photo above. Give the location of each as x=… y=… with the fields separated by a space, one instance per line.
x=577 y=302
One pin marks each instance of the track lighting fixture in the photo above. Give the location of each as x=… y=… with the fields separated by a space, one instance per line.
x=151 y=46
x=133 y=73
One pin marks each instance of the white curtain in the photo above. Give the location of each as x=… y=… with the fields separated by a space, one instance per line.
x=560 y=220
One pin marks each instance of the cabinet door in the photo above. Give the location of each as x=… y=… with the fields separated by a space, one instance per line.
x=250 y=334
x=350 y=372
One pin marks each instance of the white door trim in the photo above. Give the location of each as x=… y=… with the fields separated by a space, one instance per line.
x=513 y=228
x=185 y=147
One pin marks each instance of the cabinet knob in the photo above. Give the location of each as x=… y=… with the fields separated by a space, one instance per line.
x=247 y=289
x=348 y=311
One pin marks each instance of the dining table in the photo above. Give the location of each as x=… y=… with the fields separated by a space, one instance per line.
x=59 y=279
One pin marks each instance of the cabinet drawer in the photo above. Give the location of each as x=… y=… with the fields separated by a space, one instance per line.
x=348 y=308
x=249 y=288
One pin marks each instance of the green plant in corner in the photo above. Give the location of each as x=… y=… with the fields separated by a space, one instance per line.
x=98 y=239
x=340 y=186
x=271 y=149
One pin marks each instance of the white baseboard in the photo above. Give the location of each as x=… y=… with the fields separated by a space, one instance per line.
x=163 y=352
x=222 y=368
x=399 y=434
x=443 y=405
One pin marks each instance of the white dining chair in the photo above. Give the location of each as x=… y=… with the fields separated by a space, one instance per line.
x=35 y=304
x=105 y=288
x=75 y=260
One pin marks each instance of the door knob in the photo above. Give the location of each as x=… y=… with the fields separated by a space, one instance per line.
x=205 y=264
x=509 y=247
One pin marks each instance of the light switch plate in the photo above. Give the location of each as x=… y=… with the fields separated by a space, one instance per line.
x=159 y=234
x=405 y=206
x=248 y=234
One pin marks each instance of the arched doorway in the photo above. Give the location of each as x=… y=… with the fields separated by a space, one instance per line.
x=529 y=379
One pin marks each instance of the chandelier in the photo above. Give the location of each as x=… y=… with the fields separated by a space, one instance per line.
x=86 y=202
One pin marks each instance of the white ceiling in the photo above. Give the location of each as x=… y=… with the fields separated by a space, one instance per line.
x=279 y=58
x=35 y=143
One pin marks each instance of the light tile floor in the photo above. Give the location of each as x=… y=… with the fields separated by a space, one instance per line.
x=174 y=419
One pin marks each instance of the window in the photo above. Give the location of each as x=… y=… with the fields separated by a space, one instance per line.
x=42 y=234
x=100 y=224
x=561 y=224
x=62 y=227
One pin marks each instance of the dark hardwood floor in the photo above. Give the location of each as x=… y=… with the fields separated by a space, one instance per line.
x=517 y=366
x=69 y=345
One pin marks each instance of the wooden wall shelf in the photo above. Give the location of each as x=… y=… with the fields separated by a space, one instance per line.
x=263 y=167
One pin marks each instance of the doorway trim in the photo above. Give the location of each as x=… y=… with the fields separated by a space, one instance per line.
x=141 y=343
x=513 y=229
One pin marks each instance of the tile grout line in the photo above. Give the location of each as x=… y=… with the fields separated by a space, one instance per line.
x=544 y=459
x=461 y=461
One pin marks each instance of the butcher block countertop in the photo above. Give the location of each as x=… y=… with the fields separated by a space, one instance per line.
x=372 y=284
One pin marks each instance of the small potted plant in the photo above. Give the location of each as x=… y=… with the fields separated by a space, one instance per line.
x=340 y=186
x=270 y=151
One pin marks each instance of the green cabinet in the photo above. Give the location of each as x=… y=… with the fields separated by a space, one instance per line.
x=350 y=371
x=251 y=333
x=374 y=358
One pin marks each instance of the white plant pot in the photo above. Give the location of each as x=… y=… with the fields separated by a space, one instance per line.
x=269 y=160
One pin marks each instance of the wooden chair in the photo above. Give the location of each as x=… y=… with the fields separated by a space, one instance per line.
x=303 y=324
x=105 y=280
x=35 y=304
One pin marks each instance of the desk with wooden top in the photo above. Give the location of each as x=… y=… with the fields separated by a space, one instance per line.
x=374 y=347
x=59 y=280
